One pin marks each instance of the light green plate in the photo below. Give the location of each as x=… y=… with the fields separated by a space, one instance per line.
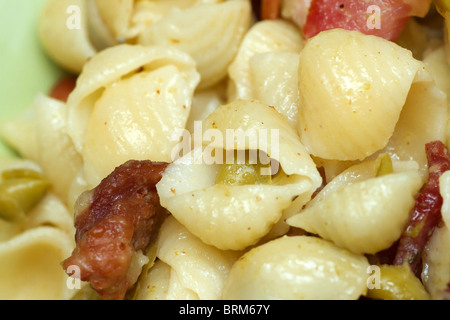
x=25 y=70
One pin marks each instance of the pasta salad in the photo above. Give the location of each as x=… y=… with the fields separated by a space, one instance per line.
x=233 y=150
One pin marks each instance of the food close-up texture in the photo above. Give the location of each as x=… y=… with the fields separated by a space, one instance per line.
x=225 y=150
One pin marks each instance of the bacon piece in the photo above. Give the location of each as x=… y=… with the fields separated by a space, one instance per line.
x=426 y=214
x=121 y=217
x=356 y=15
x=62 y=89
x=256 y=8
x=270 y=9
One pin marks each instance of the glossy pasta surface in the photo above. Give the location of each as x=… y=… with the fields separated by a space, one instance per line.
x=289 y=166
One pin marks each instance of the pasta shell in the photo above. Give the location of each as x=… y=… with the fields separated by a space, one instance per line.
x=200 y=268
x=127 y=103
x=364 y=217
x=277 y=86
x=60 y=162
x=359 y=173
x=436 y=261
x=352 y=90
x=116 y=15
x=116 y=21
x=234 y=217
x=436 y=257
x=424 y=118
x=31 y=261
x=69 y=47
x=196 y=30
x=264 y=36
x=297 y=268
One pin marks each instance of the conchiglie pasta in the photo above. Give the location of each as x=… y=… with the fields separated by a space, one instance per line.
x=50 y=211
x=236 y=216
x=436 y=258
x=118 y=21
x=127 y=103
x=204 y=103
x=277 y=86
x=164 y=284
x=60 y=161
x=116 y=15
x=198 y=268
x=40 y=134
x=64 y=34
x=19 y=134
x=264 y=36
x=196 y=31
x=353 y=88
x=424 y=118
x=31 y=261
x=359 y=173
x=297 y=268
x=364 y=217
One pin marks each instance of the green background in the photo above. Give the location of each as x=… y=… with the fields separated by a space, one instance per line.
x=25 y=70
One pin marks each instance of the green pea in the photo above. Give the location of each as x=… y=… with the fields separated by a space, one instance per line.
x=241 y=174
x=398 y=283
x=19 y=195
x=383 y=165
x=21 y=173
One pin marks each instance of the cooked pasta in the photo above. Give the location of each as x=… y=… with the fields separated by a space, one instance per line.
x=365 y=217
x=232 y=150
x=194 y=266
x=298 y=267
x=358 y=85
x=195 y=31
x=436 y=272
x=237 y=216
x=66 y=41
x=110 y=95
x=264 y=36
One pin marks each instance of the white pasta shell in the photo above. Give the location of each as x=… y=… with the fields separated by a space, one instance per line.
x=264 y=36
x=234 y=217
x=359 y=173
x=297 y=268
x=127 y=104
x=116 y=15
x=196 y=31
x=57 y=155
x=365 y=217
x=436 y=257
x=199 y=267
x=436 y=263
x=352 y=90
x=424 y=118
x=119 y=21
x=274 y=79
x=67 y=45
x=31 y=261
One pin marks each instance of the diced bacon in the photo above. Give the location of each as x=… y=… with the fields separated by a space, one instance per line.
x=383 y=18
x=270 y=9
x=62 y=89
x=426 y=214
x=114 y=221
